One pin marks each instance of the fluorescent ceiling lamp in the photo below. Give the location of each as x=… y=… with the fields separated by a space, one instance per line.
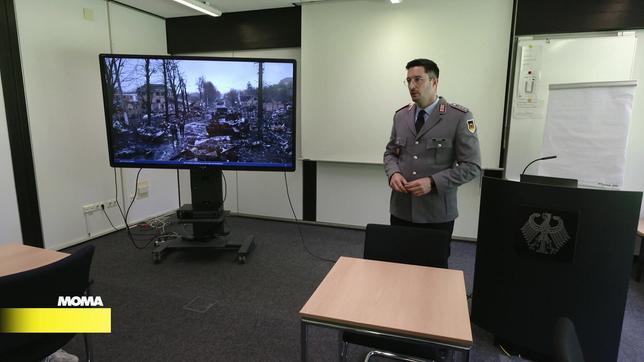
x=392 y=1
x=204 y=7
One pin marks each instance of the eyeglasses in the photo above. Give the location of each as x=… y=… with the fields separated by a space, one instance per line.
x=417 y=80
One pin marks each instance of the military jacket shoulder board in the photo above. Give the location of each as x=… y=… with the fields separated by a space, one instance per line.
x=403 y=107
x=459 y=107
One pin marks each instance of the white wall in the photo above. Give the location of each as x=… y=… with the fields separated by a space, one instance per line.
x=354 y=54
x=352 y=194
x=353 y=58
x=9 y=218
x=65 y=110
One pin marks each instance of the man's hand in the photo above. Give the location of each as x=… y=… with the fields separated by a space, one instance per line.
x=419 y=187
x=397 y=182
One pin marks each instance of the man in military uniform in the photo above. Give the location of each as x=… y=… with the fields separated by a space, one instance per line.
x=433 y=149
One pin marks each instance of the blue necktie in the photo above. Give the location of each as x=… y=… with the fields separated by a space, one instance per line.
x=420 y=120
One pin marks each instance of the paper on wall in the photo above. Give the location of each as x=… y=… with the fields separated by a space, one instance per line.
x=527 y=103
x=587 y=129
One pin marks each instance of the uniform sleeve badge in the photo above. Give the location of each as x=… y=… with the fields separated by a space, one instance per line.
x=471 y=126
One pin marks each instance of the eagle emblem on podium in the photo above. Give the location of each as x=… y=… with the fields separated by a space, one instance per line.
x=545 y=233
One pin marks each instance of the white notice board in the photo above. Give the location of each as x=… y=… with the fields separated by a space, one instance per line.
x=587 y=129
x=544 y=60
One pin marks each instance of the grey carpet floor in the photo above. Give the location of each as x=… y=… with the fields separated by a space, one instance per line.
x=199 y=305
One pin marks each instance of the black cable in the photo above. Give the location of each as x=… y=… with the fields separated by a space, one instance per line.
x=225 y=188
x=178 y=189
x=108 y=218
x=125 y=215
x=288 y=195
x=136 y=191
x=116 y=195
x=155 y=236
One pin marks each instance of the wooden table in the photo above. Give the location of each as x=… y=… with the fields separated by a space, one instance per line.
x=16 y=258
x=399 y=301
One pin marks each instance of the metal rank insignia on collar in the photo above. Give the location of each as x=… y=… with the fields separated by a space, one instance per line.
x=441 y=108
x=471 y=126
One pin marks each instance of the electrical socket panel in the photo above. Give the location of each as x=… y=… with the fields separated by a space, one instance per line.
x=110 y=203
x=90 y=208
x=98 y=206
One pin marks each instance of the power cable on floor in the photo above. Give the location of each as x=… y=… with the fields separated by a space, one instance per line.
x=298 y=225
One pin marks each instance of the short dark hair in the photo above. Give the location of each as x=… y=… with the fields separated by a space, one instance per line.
x=430 y=66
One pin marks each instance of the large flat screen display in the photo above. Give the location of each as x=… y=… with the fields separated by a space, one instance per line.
x=195 y=112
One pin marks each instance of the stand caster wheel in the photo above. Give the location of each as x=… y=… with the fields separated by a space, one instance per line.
x=156 y=258
x=241 y=259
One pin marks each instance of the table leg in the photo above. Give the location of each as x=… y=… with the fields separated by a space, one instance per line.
x=303 y=340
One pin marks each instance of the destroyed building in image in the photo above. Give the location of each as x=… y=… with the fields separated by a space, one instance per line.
x=171 y=110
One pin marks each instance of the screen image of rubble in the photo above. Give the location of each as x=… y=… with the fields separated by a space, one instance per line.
x=203 y=112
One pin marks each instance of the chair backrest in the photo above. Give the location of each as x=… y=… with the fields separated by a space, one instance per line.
x=40 y=288
x=566 y=347
x=408 y=245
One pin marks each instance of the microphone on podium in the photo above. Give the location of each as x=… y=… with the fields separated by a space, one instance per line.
x=538 y=159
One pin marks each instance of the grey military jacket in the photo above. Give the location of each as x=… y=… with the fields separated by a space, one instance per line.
x=446 y=149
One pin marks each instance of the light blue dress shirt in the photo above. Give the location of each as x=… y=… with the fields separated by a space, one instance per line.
x=428 y=110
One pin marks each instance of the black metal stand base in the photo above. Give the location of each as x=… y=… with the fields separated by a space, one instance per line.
x=219 y=243
x=206 y=218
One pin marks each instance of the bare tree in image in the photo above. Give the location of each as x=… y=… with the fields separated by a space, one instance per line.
x=184 y=94
x=113 y=74
x=164 y=69
x=173 y=79
x=210 y=93
x=146 y=92
x=200 y=82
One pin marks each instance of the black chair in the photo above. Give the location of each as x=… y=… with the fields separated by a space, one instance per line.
x=40 y=288
x=407 y=245
x=566 y=347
